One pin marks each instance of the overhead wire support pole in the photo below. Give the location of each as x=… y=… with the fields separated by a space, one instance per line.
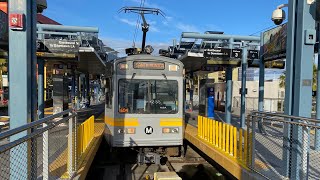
x=145 y=26
x=229 y=88
x=261 y=84
x=243 y=86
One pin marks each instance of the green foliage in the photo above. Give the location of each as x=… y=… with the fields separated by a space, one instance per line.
x=282 y=79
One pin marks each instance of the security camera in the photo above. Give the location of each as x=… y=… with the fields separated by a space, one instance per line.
x=278 y=16
x=41 y=5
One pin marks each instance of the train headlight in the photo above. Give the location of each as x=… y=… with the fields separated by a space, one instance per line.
x=127 y=131
x=123 y=66
x=173 y=67
x=170 y=130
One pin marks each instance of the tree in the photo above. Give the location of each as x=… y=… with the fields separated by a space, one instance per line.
x=282 y=79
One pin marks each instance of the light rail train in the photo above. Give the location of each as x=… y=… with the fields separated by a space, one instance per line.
x=145 y=106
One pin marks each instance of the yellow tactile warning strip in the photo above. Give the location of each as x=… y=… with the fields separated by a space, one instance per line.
x=85 y=161
x=232 y=166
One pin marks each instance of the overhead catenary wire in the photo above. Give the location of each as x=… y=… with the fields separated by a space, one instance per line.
x=142 y=2
x=262 y=30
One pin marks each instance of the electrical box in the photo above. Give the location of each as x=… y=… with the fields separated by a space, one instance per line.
x=310 y=36
x=60 y=93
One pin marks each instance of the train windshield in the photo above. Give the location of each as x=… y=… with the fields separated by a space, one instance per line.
x=148 y=96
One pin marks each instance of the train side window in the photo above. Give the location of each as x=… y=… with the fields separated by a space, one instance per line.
x=109 y=92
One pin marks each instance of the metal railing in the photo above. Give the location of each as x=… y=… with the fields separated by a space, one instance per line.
x=284 y=146
x=226 y=138
x=46 y=152
x=270 y=104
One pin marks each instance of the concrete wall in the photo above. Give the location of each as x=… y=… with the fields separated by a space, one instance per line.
x=273 y=96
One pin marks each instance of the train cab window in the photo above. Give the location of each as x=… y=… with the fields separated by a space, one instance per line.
x=148 y=96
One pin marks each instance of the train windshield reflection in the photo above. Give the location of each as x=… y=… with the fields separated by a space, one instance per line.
x=148 y=96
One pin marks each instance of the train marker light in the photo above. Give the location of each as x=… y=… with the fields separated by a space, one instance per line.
x=170 y=130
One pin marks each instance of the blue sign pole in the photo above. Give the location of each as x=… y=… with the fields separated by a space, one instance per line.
x=210 y=108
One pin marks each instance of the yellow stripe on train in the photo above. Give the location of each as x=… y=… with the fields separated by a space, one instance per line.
x=169 y=122
x=132 y=122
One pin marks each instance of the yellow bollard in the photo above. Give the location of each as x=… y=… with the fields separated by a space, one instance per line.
x=210 y=131
x=199 y=127
x=217 y=133
x=231 y=140
x=245 y=158
x=235 y=149
x=240 y=144
x=214 y=132
x=224 y=137
x=227 y=138
x=220 y=135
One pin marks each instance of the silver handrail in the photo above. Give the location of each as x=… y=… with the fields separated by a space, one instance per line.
x=259 y=114
x=10 y=145
x=32 y=124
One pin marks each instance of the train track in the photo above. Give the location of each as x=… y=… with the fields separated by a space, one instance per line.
x=122 y=166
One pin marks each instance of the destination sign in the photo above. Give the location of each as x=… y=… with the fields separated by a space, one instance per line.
x=148 y=65
x=278 y=64
x=217 y=53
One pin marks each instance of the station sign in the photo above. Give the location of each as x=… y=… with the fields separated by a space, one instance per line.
x=277 y=64
x=223 y=53
x=217 y=53
x=236 y=53
x=52 y=48
x=253 y=54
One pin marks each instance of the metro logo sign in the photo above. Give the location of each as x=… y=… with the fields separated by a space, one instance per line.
x=16 y=21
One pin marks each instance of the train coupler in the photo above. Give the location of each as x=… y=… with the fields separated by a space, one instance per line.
x=148 y=158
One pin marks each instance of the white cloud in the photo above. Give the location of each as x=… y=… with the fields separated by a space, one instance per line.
x=127 y=21
x=133 y=23
x=187 y=27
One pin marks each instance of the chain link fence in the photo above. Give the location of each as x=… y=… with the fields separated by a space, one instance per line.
x=43 y=149
x=284 y=147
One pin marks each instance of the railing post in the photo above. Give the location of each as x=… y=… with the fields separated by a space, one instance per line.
x=253 y=143
x=75 y=140
x=45 y=153
x=70 y=146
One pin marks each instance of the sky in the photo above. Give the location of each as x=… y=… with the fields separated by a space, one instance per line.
x=238 y=17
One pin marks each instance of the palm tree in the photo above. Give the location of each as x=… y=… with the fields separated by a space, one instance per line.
x=282 y=79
